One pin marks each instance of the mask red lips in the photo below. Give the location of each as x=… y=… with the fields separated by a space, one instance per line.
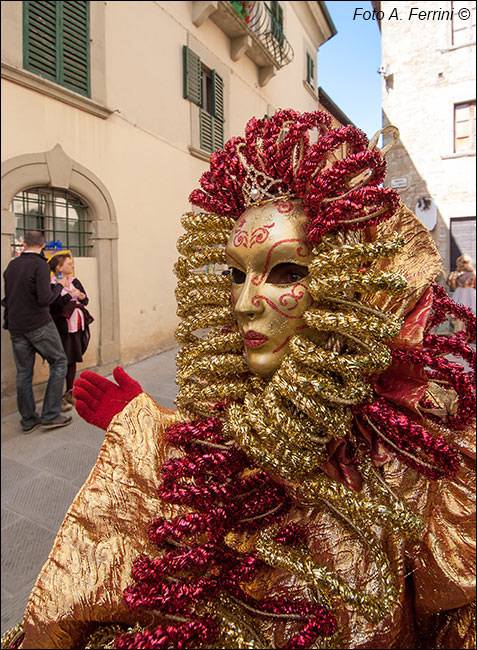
x=254 y=339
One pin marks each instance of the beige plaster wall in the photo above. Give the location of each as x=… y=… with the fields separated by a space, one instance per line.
x=141 y=151
x=429 y=77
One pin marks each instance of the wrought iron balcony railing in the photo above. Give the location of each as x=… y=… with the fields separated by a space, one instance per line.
x=267 y=27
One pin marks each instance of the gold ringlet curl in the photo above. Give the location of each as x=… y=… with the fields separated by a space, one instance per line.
x=211 y=366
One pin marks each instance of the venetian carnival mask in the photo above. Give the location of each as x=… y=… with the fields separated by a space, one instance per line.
x=268 y=255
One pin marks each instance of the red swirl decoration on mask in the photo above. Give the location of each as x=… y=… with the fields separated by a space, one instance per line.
x=260 y=235
x=256 y=303
x=240 y=239
x=283 y=206
x=239 y=264
x=301 y=251
x=282 y=345
x=257 y=236
x=296 y=298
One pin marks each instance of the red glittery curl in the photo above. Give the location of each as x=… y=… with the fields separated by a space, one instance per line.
x=280 y=148
x=396 y=430
x=291 y=535
x=217 y=481
x=404 y=437
x=192 y=634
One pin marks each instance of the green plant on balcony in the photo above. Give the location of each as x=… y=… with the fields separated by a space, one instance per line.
x=244 y=9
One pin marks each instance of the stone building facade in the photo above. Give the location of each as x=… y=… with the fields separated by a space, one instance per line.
x=428 y=74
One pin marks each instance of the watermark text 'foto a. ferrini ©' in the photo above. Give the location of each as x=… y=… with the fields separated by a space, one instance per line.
x=414 y=13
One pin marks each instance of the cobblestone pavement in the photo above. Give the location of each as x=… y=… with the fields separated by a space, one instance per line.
x=41 y=474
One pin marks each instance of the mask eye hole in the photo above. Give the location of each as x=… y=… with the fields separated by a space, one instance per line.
x=238 y=276
x=287 y=273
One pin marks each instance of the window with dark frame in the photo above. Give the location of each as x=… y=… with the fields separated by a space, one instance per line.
x=463 y=30
x=56 y=42
x=310 y=70
x=464 y=127
x=59 y=215
x=205 y=88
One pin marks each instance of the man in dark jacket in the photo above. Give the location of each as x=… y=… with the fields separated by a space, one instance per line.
x=28 y=294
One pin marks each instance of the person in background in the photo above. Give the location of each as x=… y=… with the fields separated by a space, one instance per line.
x=462 y=282
x=70 y=316
x=28 y=295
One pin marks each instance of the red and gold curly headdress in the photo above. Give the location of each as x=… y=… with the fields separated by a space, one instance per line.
x=374 y=265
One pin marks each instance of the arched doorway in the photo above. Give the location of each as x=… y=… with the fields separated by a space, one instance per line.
x=55 y=170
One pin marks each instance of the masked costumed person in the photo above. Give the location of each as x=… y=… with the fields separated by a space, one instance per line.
x=315 y=487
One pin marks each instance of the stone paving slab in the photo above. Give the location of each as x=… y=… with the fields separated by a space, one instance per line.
x=25 y=448
x=8 y=517
x=11 y=605
x=78 y=432
x=70 y=461
x=43 y=500
x=13 y=472
x=20 y=561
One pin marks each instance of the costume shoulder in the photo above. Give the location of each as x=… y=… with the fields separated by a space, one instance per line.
x=103 y=531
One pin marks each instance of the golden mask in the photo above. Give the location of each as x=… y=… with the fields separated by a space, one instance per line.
x=268 y=255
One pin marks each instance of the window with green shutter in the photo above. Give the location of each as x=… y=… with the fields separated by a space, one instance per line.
x=310 y=70
x=205 y=87
x=56 y=42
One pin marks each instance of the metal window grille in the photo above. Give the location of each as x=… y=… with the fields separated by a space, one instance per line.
x=60 y=216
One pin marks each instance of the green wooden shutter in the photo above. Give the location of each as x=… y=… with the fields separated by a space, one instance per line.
x=218 y=133
x=211 y=132
x=191 y=76
x=218 y=109
x=40 y=47
x=310 y=70
x=217 y=96
x=74 y=46
x=56 y=42
x=206 y=131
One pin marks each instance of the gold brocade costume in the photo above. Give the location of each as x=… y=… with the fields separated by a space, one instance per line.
x=82 y=582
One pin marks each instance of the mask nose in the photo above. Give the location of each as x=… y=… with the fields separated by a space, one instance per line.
x=247 y=304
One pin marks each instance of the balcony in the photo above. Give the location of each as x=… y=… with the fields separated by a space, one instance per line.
x=253 y=30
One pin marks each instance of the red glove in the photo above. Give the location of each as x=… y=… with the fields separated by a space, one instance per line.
x=98 y=400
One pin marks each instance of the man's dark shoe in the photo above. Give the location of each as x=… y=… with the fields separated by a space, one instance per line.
x=33 y=428
x=59 y=421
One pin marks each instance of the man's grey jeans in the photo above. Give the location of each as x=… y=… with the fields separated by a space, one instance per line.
x=47 y=342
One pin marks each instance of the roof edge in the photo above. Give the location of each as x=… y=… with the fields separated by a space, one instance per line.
x=328 y=19
x=333 y=108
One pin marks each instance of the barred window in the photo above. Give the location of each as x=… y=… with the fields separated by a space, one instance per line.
x=59 y=215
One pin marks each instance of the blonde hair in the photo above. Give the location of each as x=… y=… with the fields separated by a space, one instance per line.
x=464 y=263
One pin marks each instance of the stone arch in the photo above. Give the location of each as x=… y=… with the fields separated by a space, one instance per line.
x=55 y=168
